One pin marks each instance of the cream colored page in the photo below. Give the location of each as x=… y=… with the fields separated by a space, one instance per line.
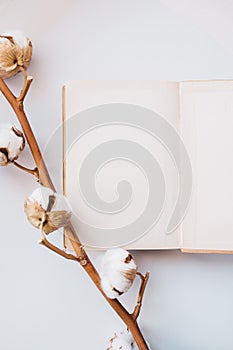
x=161 y=97
x=207 y=131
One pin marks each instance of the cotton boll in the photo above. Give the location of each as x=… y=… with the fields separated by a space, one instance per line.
x=41 y=196
x=12 y=142
x=123 y=341
x=118 y=272
x=15 y=52
x=107 y=288
x=47 y=210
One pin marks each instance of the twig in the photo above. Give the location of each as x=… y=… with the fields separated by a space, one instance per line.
x=27 y=83
x=43 y=241
x=33 y=172
x=44 y=178
x=144 y=280
x=36 y=153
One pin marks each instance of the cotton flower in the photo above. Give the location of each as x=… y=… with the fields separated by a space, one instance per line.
x=15 y=52
x=46 y=210
x=12 y=142
x=118 y=272
x=123 y=341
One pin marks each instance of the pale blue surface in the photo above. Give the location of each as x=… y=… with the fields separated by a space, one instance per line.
x=188 y=305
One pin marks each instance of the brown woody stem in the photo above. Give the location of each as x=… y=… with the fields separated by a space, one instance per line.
x=27 y=83
x=57 y=250
x=33 y=172
x=44 y=178
x=144 y=280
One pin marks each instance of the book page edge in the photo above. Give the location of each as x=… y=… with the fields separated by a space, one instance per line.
x=205 y=251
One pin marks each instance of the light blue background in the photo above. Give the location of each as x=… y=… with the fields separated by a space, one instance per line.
x=47 y=302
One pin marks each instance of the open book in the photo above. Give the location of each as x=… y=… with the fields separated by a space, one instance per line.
x=200 y=113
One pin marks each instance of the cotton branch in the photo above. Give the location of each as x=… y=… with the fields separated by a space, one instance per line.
x=45 y=180
x=43 y=241
x=33 y=172
x=27 y=83
x=144 y=280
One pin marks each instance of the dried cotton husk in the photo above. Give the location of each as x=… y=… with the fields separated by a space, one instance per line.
x=46 y=210
x=15 y=52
